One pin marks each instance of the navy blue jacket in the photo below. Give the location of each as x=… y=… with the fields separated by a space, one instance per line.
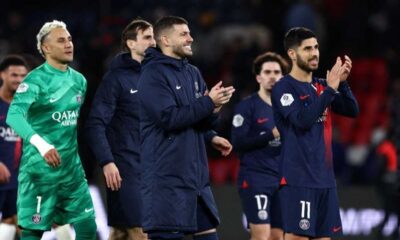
x=258 y=149
x=112 y=131
x=174 y=116
x=302 y=113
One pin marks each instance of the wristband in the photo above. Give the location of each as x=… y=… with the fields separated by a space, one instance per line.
x=41 y=145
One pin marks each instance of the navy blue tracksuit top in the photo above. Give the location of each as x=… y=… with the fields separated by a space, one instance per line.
x=174 y=116
x=112 y=131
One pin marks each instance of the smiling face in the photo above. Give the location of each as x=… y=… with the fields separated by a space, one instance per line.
x=58 y=46
x=306 y=56
x=179 y=41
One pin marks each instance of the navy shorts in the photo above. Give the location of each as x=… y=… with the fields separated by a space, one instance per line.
x=261 y=206
x=8 y=203
x=205 y=221
x=310 y=212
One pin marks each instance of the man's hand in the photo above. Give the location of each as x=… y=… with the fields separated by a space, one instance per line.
x=347 y=68
x=4 y=173
x=52 y=158
x=113 y=179
x=333 y=76
x=275 y=132
x=220 y=95
x=221 y=144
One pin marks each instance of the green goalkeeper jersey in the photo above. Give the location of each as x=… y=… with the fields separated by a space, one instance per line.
x=47 y=103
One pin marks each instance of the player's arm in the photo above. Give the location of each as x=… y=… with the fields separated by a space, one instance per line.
x=100 y=116
x=345 y=103
x=27 y=93
x=159 y=102
x=242 y=138
x=101 y=113
x=219 y=143
x=287 y=103
x=4 y=173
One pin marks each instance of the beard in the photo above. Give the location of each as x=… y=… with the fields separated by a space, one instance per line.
x=180 y=51
x=303 y=65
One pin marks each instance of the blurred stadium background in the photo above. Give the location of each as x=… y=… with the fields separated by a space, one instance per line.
x=228 y=35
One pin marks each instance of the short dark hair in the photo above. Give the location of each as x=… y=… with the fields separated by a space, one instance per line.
x=295 y=36
x=166 y=23
x=269 y=57
x=12 y=60
x=131 y=31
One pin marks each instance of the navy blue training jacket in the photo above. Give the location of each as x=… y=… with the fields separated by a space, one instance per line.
x=112 y=131
x=174 y=116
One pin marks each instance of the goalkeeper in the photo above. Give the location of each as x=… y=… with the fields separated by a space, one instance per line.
x=52 y=184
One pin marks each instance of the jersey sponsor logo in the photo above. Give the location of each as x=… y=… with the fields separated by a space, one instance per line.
x=132 y=91
x=23 y=87
x=275 y=143
x=66 y=118
x=323 y=117
x=8 y=134
x=304 y=97
x=287 y=99
x=304 y=224
x=36 y=218
x=237 y=120
x=262 y=120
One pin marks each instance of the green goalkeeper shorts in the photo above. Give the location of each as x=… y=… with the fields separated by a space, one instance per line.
x=41 y=205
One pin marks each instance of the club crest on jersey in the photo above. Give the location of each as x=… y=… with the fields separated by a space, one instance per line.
x=262 y=215
x=237 y=120
x=304 y=224
x=36 y=218
x=23 y=87
x=287 y=99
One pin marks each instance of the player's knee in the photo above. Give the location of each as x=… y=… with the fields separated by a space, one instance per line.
x=260 y=237
x=137 y=233
x=206 y=235
x=31 y=234
x=85 y=229
x=259 y=231
x=276 y=234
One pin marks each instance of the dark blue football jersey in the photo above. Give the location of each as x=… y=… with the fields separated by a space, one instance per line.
x=252 y=138
x=10 y=147
x=302 y=112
